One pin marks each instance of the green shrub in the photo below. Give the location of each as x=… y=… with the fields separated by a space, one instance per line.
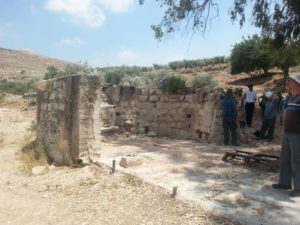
x=16 y=87
x=69 y=70
x=173 y=83
x=143 y=81
x=135 y=76
x=198 y=62
x=52 y=72
x=113 y=77
x=2 y=97
x=149 y=79
x=203 y=81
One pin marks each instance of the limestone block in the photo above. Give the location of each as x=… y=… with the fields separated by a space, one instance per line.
x=153 y=98
x=179 y=125
x=159 y=92
x=141 y=130
x=109 y=130
x=51 y=106
x=124 y=104
x=231 y=197
x=130 y=162
x=142 y=106
x=177 y=132
x=154 y=124
x=211 y=97
x=139 y=90
x=163 y=98
x=52 y=95
x=181 y=98
x=60 y=106
x=39 y=170
x=128 y=124
x=202 y=94
x=145 y=91
x=116 y=94
x=151 y=134
x=163 y=124
x=190 y=98
x=169 y=118
x=42 y=85
x=113 y=93
x=152 y=92
x=173 y=98
x=165 y=131
x=178 y=116
x=172 y=124
x=142 y=98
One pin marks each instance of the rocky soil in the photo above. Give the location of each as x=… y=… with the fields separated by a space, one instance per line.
x=25 y=64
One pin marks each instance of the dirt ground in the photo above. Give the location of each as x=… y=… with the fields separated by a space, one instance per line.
x=230 y=188
x=88 y=195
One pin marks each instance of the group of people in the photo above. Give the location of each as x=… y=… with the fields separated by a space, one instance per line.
x=230 y=102
x=271 y=105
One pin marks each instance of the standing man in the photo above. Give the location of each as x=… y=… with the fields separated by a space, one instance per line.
x=269 y=116
x=229 y=117
x=249 y=98
x=262 y=104
x=290 y=149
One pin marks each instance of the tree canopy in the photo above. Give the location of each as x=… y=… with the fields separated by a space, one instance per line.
x=277 y=18
x=251 y=54
x=257 y=53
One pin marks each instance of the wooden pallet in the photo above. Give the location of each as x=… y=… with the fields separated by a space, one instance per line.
x=251 y=158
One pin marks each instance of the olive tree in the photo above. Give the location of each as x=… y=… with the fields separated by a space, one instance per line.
x=286 y=56
x=257 y=53
x=251 y=54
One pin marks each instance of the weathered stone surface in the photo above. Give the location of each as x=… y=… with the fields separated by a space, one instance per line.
x=232 y=198
x=153 y=98
x=142 y=98
x=39 y=170
x=130 y=162
x=42 y=85
x=151 y=134
x=128 y=125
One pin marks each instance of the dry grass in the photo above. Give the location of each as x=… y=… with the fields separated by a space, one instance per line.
x=133 y=180
x=28 y=155
x=124 y=199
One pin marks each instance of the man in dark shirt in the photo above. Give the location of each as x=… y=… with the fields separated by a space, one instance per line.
x=290 y=149
x=229 y=117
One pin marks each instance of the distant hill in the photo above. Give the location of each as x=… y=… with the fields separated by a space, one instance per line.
x=25 y=64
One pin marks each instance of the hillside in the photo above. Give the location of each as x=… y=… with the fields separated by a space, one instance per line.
x=24 y=64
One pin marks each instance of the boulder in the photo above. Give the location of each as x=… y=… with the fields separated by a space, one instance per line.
x=235 y=198
x=130 y=162
x=39 y=170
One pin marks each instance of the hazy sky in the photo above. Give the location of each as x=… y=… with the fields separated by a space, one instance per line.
x=110 y=32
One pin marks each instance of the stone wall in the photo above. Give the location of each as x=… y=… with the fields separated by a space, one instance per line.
x=75 y=112
x=188 y=116
x=57 y=119
x=69 y=125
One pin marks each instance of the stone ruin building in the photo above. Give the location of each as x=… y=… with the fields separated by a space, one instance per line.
x=75 y=112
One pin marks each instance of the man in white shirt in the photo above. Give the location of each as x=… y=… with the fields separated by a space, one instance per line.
x=249 y=98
